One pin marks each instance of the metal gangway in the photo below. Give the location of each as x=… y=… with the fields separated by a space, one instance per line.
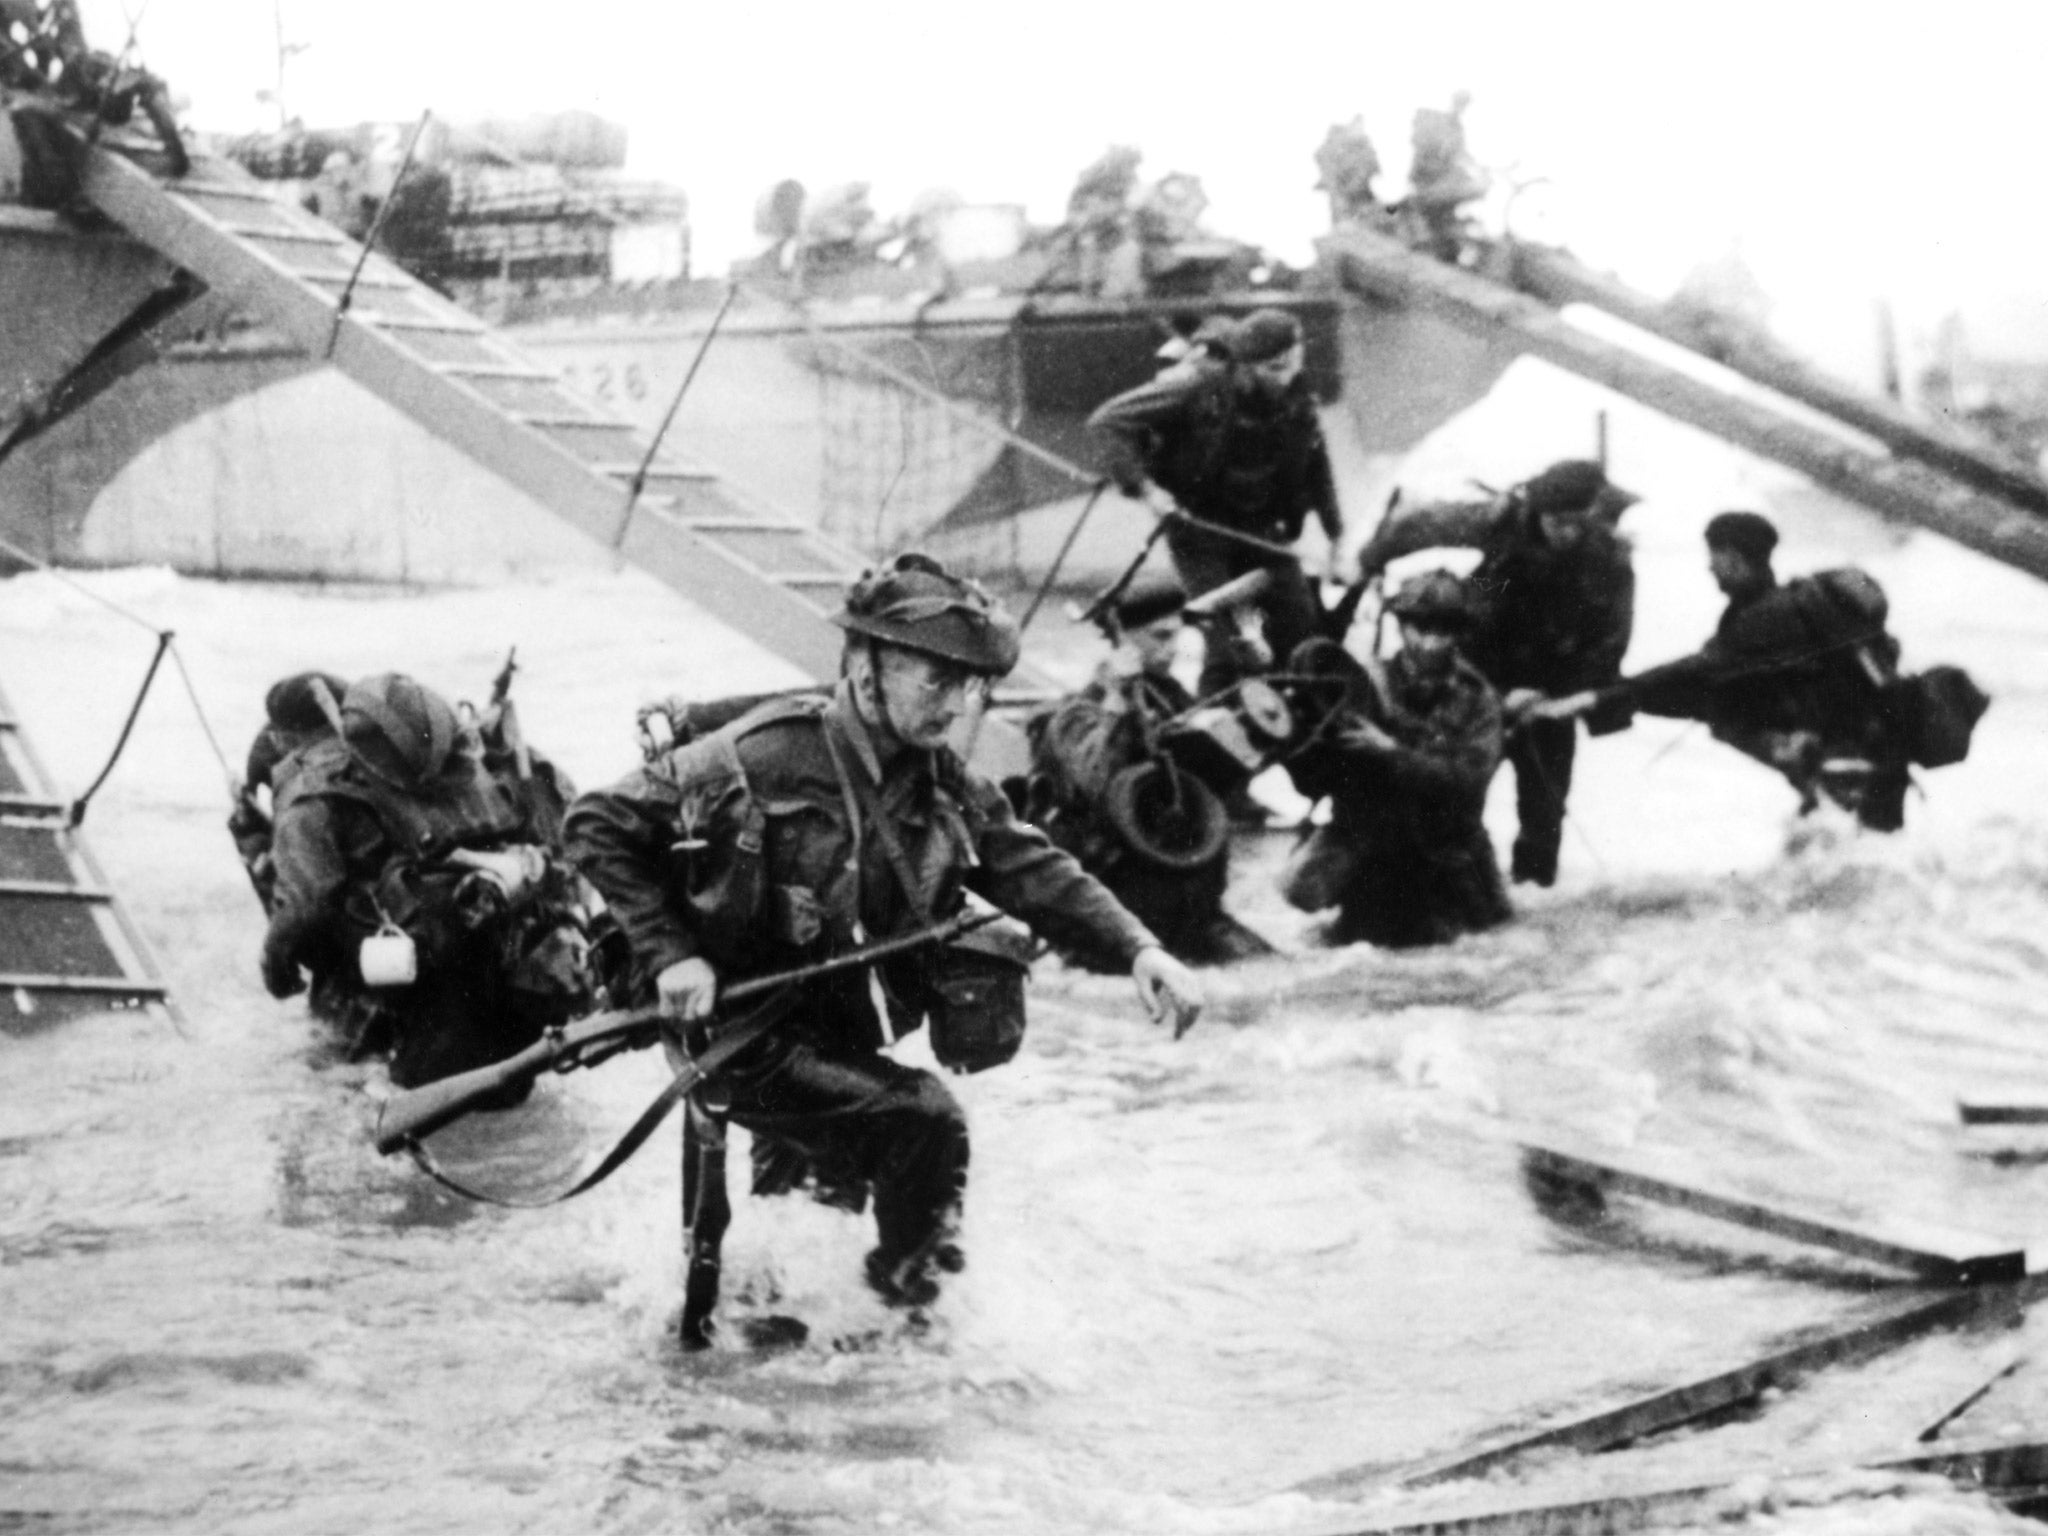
x=763 y=573
x=67 y=945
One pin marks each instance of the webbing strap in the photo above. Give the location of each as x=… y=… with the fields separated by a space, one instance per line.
x=869 y=803
x=650 y=1120
x=730 y=1042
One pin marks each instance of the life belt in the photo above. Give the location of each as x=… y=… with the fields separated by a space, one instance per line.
x=1166 y=816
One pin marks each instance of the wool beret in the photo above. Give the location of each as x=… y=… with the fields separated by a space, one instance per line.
x=1150 y=598
x=1571 y=485
x=1747 y=533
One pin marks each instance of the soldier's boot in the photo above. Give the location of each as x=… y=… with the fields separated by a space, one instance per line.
x=1534 y=862
x=707 y=1213
x=911 y=1280
x=907 y=1282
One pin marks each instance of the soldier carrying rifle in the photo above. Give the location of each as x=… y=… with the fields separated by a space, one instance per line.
x=803 y=830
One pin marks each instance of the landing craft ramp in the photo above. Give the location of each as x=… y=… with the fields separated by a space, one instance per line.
x=771 y=578
x=1558 y=278
x=66 y=943
x=1917 y=489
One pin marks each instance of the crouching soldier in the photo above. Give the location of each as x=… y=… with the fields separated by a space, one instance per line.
x=803 y=830
x=1404 y=750
x=1553 y=605
x=430 y=906
x=1105 y=788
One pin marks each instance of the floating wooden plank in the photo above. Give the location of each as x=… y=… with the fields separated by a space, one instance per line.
x=1903 y=1321
x=2010 y=1471
x=2005 y=1109
x=1970 y=1400
x=1949 y=1258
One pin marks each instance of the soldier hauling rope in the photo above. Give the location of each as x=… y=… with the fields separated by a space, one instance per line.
x=1234 y=448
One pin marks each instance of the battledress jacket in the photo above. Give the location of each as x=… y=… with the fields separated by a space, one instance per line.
x=1407 y=822
x=742 y=848
x=1089 y=736
x=1078 y=748
x=1432 y=784
x=1254 y=463
x=1553 y=619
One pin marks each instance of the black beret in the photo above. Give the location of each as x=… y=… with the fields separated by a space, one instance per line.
x=1572 y=485
x=1749 y=534
x=1263 y=335
x=1149 y=599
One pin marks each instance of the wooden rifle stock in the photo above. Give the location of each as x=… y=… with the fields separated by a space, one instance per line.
x=416 y=1112
x=421 y=1111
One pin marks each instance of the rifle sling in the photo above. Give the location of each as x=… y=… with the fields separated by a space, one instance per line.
x=730 y=1042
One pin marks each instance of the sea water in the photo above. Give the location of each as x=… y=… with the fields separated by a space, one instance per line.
x=1232 y=1283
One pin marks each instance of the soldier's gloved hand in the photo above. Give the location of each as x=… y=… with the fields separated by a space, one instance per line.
x=1362 y=735
x=688 y=990
x=1167 y=988
x=1519 y=703
x=281 y=977
x=1159 y=499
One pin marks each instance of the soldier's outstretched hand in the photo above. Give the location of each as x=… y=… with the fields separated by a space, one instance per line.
x=688 y=989
x=1569 y=707
x=1168 y=989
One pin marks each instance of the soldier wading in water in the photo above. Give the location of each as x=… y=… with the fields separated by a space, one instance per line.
x=801 y=830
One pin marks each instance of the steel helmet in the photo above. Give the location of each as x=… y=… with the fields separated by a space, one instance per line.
x=291 y=704
x=915 y=603
x=1435 y=598
x=402 y=731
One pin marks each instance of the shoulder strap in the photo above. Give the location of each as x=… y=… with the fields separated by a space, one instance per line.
x=861 y=806
x=731 y=1040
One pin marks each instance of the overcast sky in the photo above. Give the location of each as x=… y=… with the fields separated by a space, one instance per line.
x=1853 y=151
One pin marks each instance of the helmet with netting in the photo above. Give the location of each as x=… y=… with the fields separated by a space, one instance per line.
x=916 y=604
x=1434 y=600
x=399 y=729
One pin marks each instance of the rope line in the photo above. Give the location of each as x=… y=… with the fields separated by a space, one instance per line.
x=163 y=643
x=166 y=643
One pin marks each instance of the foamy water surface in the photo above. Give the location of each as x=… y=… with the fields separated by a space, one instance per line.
x=1294 y=1244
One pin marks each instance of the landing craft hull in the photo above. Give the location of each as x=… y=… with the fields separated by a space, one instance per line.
x=240 y=456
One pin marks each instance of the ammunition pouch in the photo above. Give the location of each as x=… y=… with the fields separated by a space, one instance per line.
x=974 y=997
x=1167 y=817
